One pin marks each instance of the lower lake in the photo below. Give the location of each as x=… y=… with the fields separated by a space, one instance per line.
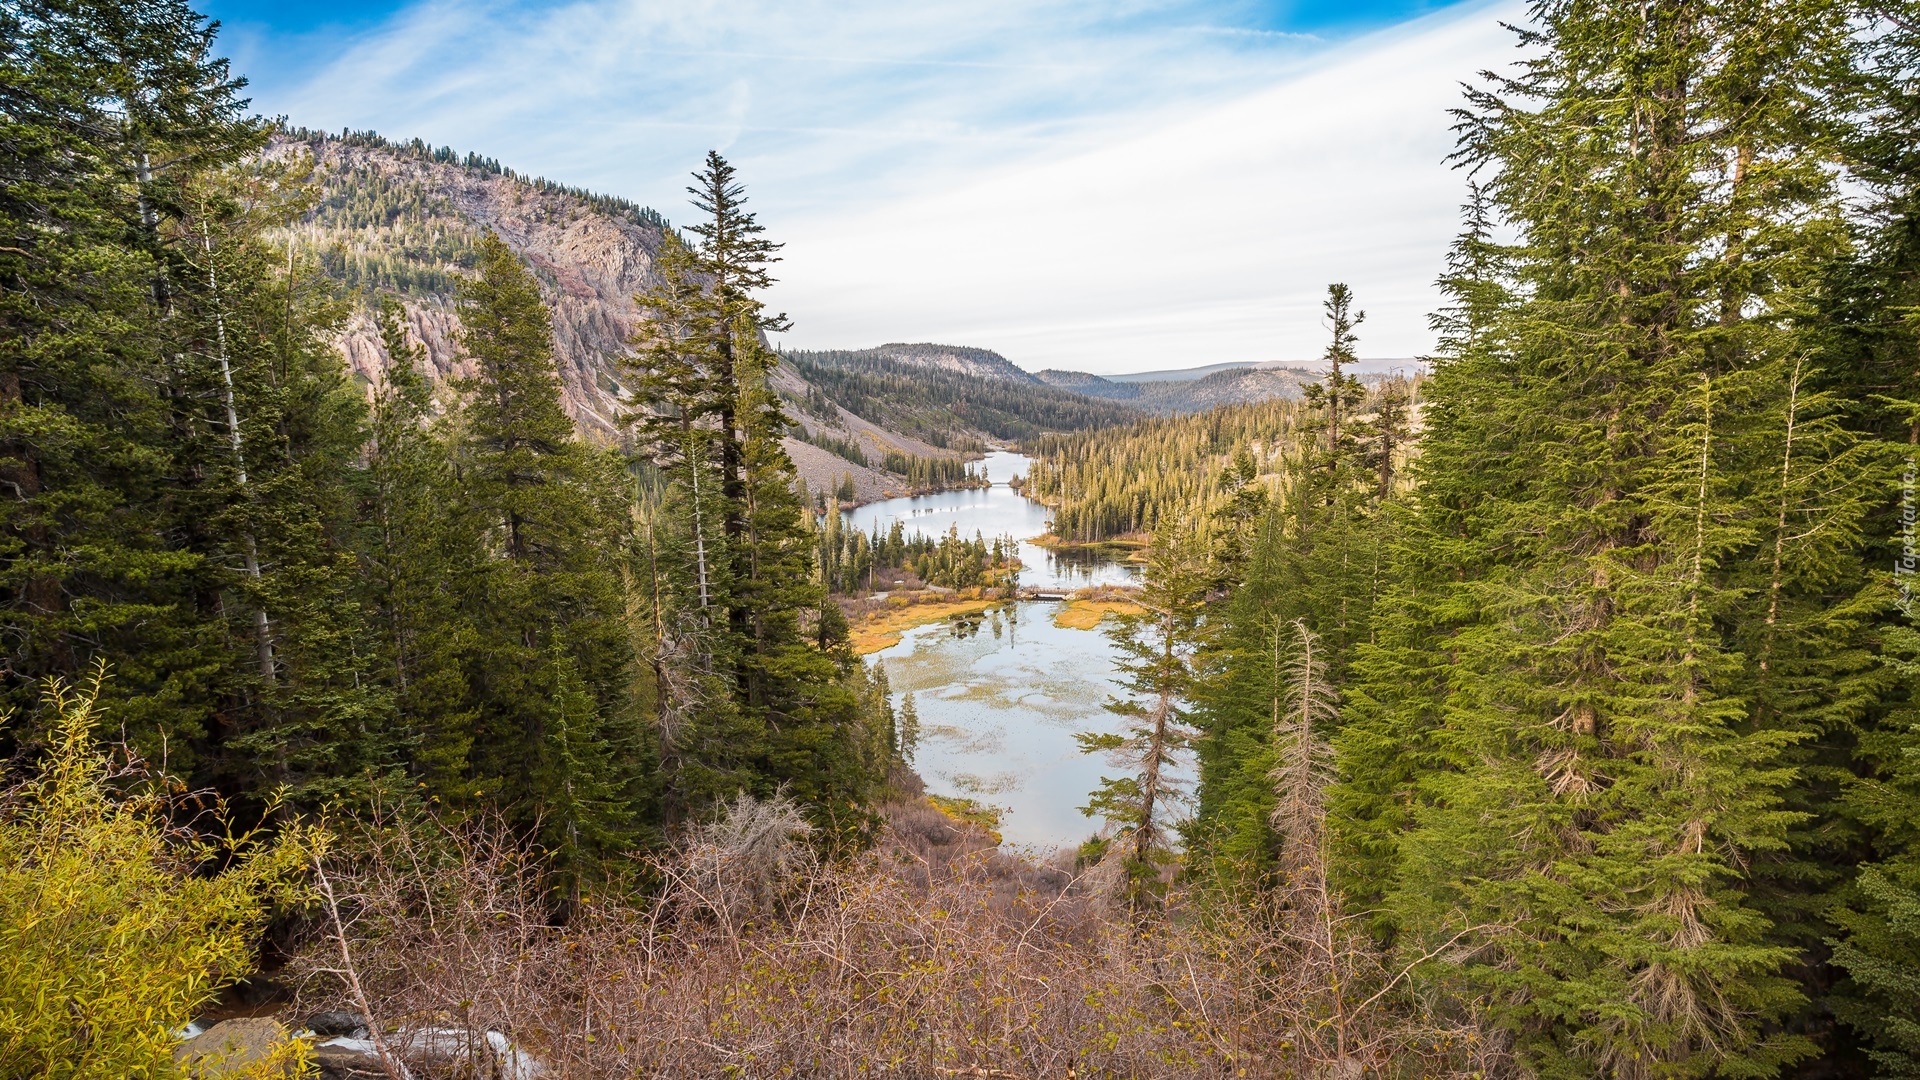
x=1000 y=695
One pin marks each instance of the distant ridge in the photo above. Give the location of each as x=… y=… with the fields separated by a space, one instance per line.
x=944 y=393
x=962 y=359
x=1385 y=365
x=1221 y=384
x=1174 y=390
x=1189 y=374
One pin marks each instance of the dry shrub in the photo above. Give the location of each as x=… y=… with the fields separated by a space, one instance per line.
x=932 y=956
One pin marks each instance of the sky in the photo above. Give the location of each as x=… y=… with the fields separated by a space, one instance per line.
x=1104 y=187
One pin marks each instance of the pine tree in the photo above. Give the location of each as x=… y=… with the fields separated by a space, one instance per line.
x=416 y=543
x=1555 y=748
x=1231 y=843
x=1156 y=650
x=1340 y=390
x=558 y=737
x=108 y=112
x=793 y=716
x=674 y=367
x=907 y=738
x=735 y=260
x=268 y=428
x=1868 y=372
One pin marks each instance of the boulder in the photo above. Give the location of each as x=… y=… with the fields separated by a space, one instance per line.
x=231 y=1046
x=342 y=1022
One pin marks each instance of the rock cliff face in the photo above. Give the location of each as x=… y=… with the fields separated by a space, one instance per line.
x=403 y=223
x=403 y=220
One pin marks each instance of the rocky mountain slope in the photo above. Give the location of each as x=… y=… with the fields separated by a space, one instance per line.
x=403 y=219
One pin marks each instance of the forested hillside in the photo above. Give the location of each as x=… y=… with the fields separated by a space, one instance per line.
x=1117 y=481
x=1173 y=396
x=933 y=395
x=305 y=594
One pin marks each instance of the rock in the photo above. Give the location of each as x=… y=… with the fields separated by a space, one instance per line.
x=492 y=1052
x=439 y=1050
x=351 y=1024
x=230 y=1046
x=351 y=1059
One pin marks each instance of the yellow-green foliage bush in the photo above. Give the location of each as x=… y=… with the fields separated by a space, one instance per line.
x=109 y=939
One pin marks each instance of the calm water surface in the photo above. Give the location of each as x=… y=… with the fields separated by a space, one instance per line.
x=995 y=511
x=1000 y=696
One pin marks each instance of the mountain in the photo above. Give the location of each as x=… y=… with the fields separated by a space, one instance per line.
x=1365 y=368
x=950 y=395
x=1189 y=374
x=1224 y=385
x=403 y=219
x=959 y=359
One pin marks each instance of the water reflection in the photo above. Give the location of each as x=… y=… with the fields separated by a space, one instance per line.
x=996 y=511
x=1000 y=697
x=1001 y=694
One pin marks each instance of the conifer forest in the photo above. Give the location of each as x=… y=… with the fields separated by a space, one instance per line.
x=430 y=653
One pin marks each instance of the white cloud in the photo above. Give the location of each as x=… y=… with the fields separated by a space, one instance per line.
x=1099 y=186
x=820 y=102
x=1209 y=239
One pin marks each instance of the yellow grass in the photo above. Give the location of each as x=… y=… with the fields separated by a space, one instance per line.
x=968 y=812
x=1087 y=614
x=1128 y=542
x=882 y=629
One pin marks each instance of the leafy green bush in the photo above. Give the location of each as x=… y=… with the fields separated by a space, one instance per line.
x=110 y=936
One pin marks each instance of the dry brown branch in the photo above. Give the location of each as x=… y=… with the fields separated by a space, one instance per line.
x=349 y=974
x=935 y=955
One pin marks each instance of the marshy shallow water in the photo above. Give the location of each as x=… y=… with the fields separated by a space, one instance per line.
x=1001 y=695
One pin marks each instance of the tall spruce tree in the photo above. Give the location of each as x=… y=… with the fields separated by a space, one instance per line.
x=558 y=736
x=416 y=542
x=707 y=746
x=1558 y=747
x=108 y=111
x=1316 y=552
x=791 y=713
x=1869 y=368
x=266 y=430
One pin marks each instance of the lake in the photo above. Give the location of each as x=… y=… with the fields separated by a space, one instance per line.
x=995 y=511
x=1001 y=695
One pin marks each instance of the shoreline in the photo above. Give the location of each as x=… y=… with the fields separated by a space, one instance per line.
x=883 y=627
x=1132 y=545
x=886 y=496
